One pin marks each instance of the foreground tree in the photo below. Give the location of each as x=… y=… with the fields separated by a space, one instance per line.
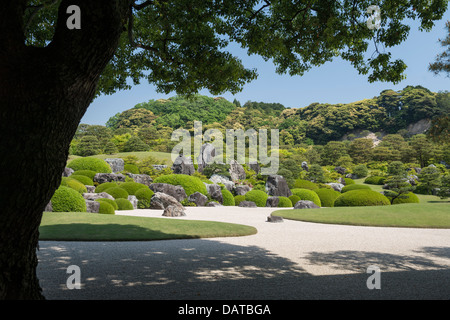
x=50 y=72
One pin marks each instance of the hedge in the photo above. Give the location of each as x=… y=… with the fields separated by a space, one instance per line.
x=228 y=199
x=83 y=179
x=349 y=181
x=294 y=199
x=90 y=163
x=106 y=185
x=88 y=173
x=144 y=196
x=284 y=202
x=257 y=196
x=73 y=184
x=305 y=184
x=378 y=180
x=306 y=194
x=362 y=197
x=189 y=183
x=124 y=204
x=132 y=187
x=110 y=201
x=106 y=208
x=327 y=196
x=238 y=199
x=354 y=187
x=411 y=198
x=66 y=199
x=131 y=168
x=117 y=192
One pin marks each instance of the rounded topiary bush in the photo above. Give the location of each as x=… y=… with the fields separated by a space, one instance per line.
x=132 y=187
x=66 y=199
x=378 y=180
x=257 y=196
x=354 y=187
x=83 y=179
x=306 y=194
x=294 y=199
x=117 y=192
x=190 y=184
x=106 y=208
x=131 y=168
x=73 y=184
x=87 y=173
x=406 y=198
x=228 y=199
x=327 y=196
x=305 y=184
x=362 y=197
x=106 y=185
x=90 y=163
x=349 y=181
x=110 y=201
x=284 y=202
x=144 y=196
x=124 y=204
x=238 y=199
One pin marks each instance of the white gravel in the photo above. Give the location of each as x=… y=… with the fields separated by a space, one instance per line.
x=287 y=260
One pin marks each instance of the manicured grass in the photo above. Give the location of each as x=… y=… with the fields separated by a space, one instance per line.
x=413 y=215
x=83 y=226
x=164 y=156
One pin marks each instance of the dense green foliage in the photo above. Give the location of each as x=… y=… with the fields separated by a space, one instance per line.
x=228 y=198
x=132 y=187
x=144 y=196
x=88 y=173
x=327 y=196
x=90 y=163
x=106 y=208
x=117 y=192
x=284 y=202
x=66 y=199
x=190 y=184
x=375 y=180
x=354 y=187
x=294 y=199
x=238 y=199
x=83 y=179
x=106 y=185
x=123 y=204
x=362 y=197
x=305 y=184
x=407 y=198
x=113 y=203
x=257 y=196
x=306 y=194
x=73 y=184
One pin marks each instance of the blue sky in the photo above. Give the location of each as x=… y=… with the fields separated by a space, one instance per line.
x=334 y=82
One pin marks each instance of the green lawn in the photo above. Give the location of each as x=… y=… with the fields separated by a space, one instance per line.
x=83 y=226
x=164 y=156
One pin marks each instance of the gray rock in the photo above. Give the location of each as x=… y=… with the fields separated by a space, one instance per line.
x=418 y=170
x=336 y=186
x=133 y=200
x=272 y=202
x=237 y=171
x=183 y=165
x=241 y=189
x=275 y=219
x=247 y=204
x=90 y=189
x=213 y=204
x=94 y=196
x=173 y=211
x=67 y=172
x=254 y=165
x=92 y=206
x=141 y=178
x=342 y=181
x=217 y=178
x=175 y=191
x=215 y=192
x=198 y=198
x=276 y=185
x=108 y=177
x=116 y=164
x=351 y=176
x=305 y=204
x=49 y=207
x=161 y=200
x=159 y=166
x=206 y=156
x=340 y=170
x=229 y=185
x=305 y=166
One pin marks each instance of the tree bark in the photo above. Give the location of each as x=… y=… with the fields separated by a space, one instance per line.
x=44 y=93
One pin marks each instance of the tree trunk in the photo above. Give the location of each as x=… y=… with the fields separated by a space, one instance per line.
x=44 y=93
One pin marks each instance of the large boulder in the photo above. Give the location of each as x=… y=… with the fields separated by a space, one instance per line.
x=305 y=166
x=116 y=164
x=305 y=204
x=92 y=206
x=241 y=189
x=159 y=166
x=94 y=196
x=175 y=191
x=247 y=204
x=183 y=165
x=134 y=201
x=67 y=172
x=336 y=186
x=213 y=204
x=237 y=171
x=198 y=198
x=108 y=177
x=206 y=156
x=215 y=192
x=276 y=185
x=274 y=219
x=141 y=178
x=161 y=200
x=272 y=202
x=173 y=211
x=340 y=170
x=254 y=165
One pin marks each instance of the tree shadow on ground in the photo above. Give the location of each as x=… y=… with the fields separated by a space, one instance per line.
x=205 y=269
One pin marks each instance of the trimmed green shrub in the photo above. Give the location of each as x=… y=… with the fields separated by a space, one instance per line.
x=354 y=187
x=378 y=180
x=144 y=196
x=102 y=187
x=294 y=199
x=90 y=163
x=349 y=181
x=362 y=197
x=257 y=196
x=87 y=173
x=306 y=194
x=106 y=208
x=73 y=184
x=110 y=201
x=124 y=204
x=238 y=199
x=411 y=198
x=131 y=168
x=327 y=196
x=305 y=184
x=284 y=202
x=190 y=184
x=117 y=192
x=132 y=187
x=228 y=199
x=66 y=199
x=361 y=171
x=83 y=179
